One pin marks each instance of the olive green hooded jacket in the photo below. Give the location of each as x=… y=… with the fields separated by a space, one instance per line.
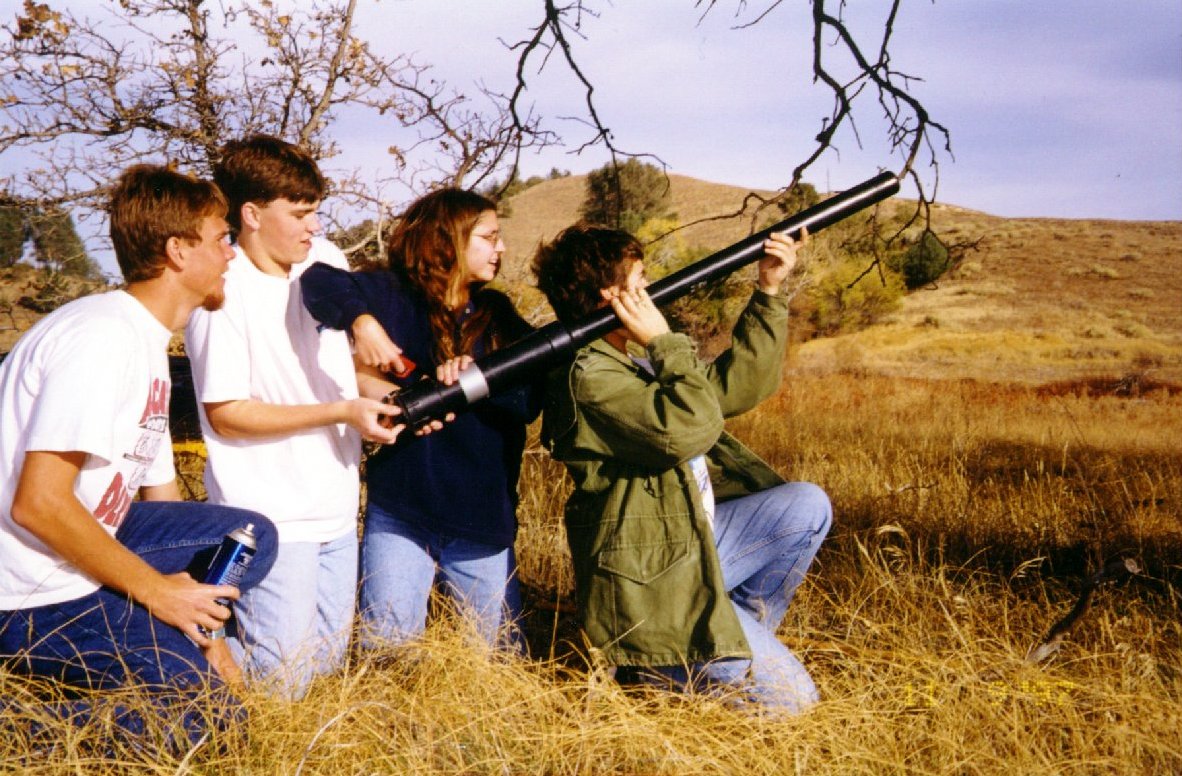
x=647 y=575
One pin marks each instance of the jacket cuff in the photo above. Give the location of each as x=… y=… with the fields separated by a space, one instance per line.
x=663 y=345
x=768 y=301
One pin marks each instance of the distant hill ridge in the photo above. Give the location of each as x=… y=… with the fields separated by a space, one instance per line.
x=541 y=211
x=1038 y=300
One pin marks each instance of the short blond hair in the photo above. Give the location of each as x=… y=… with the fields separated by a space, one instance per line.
x=151 y=203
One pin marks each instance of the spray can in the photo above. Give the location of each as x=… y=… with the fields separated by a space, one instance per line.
x=230 y=561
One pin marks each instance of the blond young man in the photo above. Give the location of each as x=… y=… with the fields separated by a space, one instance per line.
x=96 y=588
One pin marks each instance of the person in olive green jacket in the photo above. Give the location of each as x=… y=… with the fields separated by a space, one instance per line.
x=687 y=547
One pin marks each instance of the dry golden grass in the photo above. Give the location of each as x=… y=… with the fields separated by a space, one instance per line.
x=966 y=515
x=980 y=468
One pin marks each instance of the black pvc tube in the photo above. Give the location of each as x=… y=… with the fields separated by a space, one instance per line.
x=550 y=345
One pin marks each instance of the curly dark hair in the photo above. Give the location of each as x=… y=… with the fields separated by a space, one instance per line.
x=584 y=258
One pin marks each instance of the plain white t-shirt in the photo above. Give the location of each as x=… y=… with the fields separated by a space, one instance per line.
x=264 y=345
x=90 y=377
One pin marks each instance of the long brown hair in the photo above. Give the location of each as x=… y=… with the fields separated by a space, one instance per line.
x=427 y=248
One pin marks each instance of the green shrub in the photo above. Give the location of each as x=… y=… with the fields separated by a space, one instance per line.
x=57 y=244
x=12 y=235
x=796 y=199
x=921 y=262
x=626 y=196
x=847 y=298
x=365 y=247
x=705 y=312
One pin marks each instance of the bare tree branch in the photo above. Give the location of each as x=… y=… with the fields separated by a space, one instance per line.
x=175 y=79
x=909 y=127
x=553 y=33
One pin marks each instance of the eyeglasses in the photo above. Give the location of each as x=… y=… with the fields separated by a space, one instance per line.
x=492 y=237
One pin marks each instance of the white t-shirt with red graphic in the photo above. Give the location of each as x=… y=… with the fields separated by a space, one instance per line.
x=91 y=377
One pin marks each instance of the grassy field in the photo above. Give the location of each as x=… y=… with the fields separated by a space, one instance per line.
x=985 y=452
x=967 y=516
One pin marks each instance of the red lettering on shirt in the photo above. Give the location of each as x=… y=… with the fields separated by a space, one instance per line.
x=115 y=502
x=157 y=405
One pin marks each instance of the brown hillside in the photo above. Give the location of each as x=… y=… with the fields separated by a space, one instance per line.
x=1041 y=299
x=541 y=211
x=1038 y=300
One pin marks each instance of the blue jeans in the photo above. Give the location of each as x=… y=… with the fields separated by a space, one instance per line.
x=399 y=563
x=766 y=542
x=294 y=625
x=102 y=641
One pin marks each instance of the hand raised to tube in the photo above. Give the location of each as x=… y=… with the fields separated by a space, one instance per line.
x=642 y=319
x=779 y=259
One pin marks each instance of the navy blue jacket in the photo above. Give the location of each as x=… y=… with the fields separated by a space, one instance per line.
x=460 y=481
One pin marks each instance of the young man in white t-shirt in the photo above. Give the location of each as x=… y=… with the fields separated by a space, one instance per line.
x=282 y=416
x=95 y=586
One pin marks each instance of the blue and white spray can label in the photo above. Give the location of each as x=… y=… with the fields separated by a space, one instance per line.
x=231 y=559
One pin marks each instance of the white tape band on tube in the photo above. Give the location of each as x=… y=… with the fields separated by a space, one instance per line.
x=473 y=384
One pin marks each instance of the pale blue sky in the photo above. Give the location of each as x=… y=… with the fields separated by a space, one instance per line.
x=1069 y=109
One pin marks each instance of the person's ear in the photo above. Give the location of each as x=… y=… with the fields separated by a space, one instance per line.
x=174 y=252
x=249 y=216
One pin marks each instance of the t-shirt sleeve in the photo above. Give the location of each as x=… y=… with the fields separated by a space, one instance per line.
x=328 y=253
x=83 y=377
x=163 y=468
